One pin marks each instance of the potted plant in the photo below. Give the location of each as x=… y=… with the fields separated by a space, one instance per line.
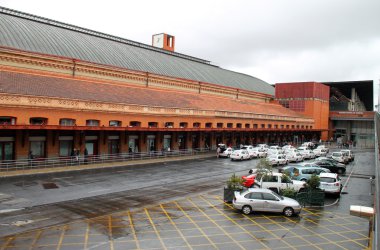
x=234 y=183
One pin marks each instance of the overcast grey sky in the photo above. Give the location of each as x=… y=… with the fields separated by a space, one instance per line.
x=275 y=40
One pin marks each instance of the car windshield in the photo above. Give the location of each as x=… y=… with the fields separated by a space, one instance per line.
x=327 y=179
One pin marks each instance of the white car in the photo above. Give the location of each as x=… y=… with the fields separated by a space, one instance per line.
x=279 y=159
x=339 y=157
x=260 y=152
x=240 y=154
x=324 y=147
x=226 y=152
x=330 y=183
x=251 y=151
x=263 y=146
x=351 y=156
x=294 y=157
x=320 y=152
x=306 y=153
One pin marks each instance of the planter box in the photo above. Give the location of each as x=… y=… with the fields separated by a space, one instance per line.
x=228 y=195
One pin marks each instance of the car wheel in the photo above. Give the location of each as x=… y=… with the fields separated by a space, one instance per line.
x=288 y=211
x=303 y=179
x=246 y=210
x=340 y=171
x=241 y=158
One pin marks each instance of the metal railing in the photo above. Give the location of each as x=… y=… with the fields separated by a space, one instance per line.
x=41 y=163
x=376 y=220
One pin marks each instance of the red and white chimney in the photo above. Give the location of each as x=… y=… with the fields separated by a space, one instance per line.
x=163 y=41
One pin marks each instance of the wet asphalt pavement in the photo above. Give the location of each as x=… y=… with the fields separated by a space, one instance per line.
x=64 y=200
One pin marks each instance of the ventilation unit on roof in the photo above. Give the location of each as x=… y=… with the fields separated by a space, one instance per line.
x=163 y=41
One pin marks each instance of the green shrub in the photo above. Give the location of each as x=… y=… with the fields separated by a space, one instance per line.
x=235 y=182
x=313 y=182
x=288 y=192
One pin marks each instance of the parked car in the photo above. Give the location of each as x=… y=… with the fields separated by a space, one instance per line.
x=324 y=147
x=252 y=153
x=349 y=154
x=260 y=152
x=338 y=168
x=226 y=152
x=306 y=153
x=265 y=200
x=294 y=157
x=303 y=173
x=277 y=159
x=324 y=158
x=320 y=152
x=277 y=182
x=339 y=157
x=330 y=183
x=240 y=154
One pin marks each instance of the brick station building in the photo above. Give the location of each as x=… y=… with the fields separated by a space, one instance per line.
x=65 y=87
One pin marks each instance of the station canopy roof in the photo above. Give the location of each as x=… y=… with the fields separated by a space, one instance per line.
x=32 y=33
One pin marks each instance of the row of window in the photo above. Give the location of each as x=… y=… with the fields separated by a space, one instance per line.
x=116 y=123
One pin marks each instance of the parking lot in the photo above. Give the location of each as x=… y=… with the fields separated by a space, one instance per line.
x=201 y=220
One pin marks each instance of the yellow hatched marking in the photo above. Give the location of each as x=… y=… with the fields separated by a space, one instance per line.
x=320 y=235
x=348 y=239
x=172 y=222
x=86 y=235
x=264 y=229
x=301 y=237
x=61 y=237
x=9 y=240
x=36 y=238
x=233 y=221
x=195 y=224
x=154 y=227
x=132 y=225
x=110 y=237
x=216 y=224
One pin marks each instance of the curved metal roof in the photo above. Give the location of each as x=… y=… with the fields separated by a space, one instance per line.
x=32 y=33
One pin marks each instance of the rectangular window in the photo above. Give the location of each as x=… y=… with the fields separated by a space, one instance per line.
x=65 y=148
x=38 y=148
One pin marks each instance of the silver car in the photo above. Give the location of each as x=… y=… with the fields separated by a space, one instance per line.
x=265 y=200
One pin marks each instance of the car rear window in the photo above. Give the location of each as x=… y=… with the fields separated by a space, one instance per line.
x=327 y=179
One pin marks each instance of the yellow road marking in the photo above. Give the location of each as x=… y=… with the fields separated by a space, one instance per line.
x=216 y=224
x=110 y=237
x=233 y=221
x=155 y=229
x=132 y=225
x=86 y=235
x=36 y=238
x=264 y=229
x=172 y=222
x=338 y=233
x=61 y=237
x=195 y=224
x=9 y=240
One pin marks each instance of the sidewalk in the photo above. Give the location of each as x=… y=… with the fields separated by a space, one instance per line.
x=83 y=167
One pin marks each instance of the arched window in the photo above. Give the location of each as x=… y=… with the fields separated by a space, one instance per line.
x=134 y=124
x=66 y=122
x=115 y=123
x=38 y=121
x=94 y=123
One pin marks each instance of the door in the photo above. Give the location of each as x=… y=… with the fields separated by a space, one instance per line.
x=255 y=200
x=271 y=203
x=6 y=151
x=113 y=147
x=92 y=147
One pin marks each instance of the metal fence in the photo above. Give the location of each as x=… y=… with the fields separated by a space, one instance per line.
x=94 y=159
x=376 y=221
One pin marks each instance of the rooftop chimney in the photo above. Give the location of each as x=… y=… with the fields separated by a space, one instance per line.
x=163 y=41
